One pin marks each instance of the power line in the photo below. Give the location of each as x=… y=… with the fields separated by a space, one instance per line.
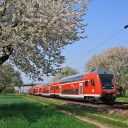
x=99 y=44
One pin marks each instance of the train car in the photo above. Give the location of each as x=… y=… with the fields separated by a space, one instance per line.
x=30 y=90
x=96 y=85
x=55 y=89
x=36 y=89
x=40 y=89
x=45 y=91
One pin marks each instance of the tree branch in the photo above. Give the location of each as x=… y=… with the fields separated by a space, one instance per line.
x=7 y=51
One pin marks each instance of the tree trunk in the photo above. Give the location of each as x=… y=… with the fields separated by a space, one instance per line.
x=7 y=51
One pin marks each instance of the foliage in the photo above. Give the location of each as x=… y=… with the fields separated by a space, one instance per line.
x=33 y=32
x=115 y=59
x=8 y=91
x=9 y=77
x=66 y=71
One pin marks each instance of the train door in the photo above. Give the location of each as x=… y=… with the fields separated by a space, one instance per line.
x=60 y=90
x=38 y=89
x=80 y=88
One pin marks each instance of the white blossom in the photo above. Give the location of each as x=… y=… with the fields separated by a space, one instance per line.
x=33 y=32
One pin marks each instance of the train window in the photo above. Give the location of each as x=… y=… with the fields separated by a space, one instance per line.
x=65 y=92
x=86 y=83
x=57 y=87
x=74 y=91
x=46 y=91
x=40 y=89
x=107 y=81
x=62 y=92
x=92 y=82
x=52 y=87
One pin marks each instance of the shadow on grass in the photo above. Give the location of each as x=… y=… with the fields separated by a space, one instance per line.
x=36 y=115
x=35 y=111
x=77 y=109
x=125 y=96
x=31 y=111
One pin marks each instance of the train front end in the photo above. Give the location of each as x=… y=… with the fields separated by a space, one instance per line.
x=108 y=86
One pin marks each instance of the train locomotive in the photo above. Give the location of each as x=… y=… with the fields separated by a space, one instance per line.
x=96 y=85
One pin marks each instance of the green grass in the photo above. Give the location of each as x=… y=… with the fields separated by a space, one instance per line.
x=37 y=112
x=19 y=112
x=104 y=119
x=122 y=99
x=12 y=99
x=92 y=114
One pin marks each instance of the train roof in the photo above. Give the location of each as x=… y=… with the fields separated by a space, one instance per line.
x=72 y=78
x=102 y=71
x=79 y=77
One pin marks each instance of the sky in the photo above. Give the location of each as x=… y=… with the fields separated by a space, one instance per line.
x=105 y=21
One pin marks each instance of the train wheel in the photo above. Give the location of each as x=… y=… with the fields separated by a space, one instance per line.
x=109 y=102
x=92 y=100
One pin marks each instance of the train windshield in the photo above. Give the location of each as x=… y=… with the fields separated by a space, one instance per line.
x=107 y=81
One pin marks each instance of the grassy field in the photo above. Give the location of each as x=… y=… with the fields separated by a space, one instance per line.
x=38 y=112
x=19 y=112
x=122 y=99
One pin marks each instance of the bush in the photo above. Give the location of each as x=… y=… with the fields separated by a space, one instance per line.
x=8 y=91
x=122 y=90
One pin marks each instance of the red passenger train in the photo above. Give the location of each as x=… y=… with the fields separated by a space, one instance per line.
x=96 y=85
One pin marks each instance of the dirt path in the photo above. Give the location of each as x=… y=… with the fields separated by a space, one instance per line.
x=82 y=118
x=125 y=122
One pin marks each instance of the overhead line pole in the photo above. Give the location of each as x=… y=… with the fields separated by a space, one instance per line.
x=126 y=26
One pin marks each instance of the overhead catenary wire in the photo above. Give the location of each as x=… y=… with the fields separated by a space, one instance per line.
x=98 y=45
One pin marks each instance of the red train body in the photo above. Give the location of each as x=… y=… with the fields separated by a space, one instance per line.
x=97 y=85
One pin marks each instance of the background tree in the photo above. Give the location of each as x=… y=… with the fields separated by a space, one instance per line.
x=33 y=32
x=66 y=71
x=115 y=59
x=9 y=77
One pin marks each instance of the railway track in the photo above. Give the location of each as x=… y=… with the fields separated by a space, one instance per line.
x=117 y=107
x=123 y=105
